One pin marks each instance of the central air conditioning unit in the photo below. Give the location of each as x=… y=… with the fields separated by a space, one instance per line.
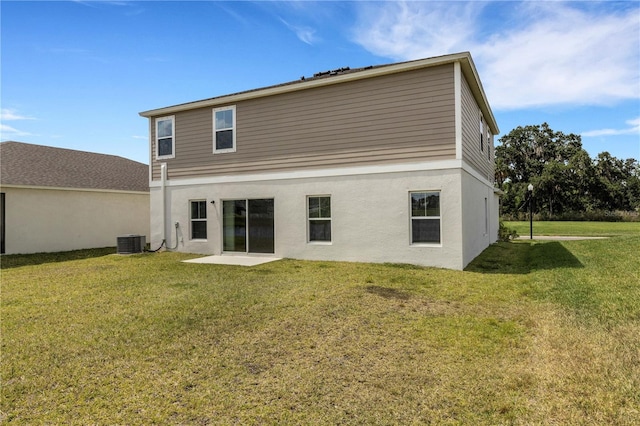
x=130 y=244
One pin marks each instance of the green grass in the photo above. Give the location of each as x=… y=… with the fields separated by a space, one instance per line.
x=12 y=261
x=576 y=228
x=531 y=333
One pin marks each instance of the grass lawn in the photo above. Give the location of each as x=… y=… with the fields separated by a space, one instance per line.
x=531 y=333
x=595 y=229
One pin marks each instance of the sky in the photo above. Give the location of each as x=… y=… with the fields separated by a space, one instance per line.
x=75 y=74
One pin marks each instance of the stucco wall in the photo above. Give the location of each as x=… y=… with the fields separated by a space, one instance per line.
x=50 y=220
x=370 y=216
x=480 y=225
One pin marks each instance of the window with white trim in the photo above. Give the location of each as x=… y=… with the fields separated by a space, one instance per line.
x=199 y=220
x=165 y=137
x=319 y=217
x=224 y=129
x=425 y=217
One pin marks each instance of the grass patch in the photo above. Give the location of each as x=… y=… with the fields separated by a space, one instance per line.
x=523 y=257
x=15 y=260
x=595 y=229
x=530 y=333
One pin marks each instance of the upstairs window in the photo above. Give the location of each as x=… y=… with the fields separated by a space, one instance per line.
x=481 y=134
x=199 y=220
x=425 y=217
x=165 y=138
x=319 y=218
x=224 y=130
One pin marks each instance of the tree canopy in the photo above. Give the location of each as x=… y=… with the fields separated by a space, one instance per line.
x=565 y=178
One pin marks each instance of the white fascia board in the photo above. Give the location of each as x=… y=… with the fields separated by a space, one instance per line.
x=150 y=149
x=56 y=188
x=457 y=96
x=471 y=74
x=323 y=173
x=317 y=173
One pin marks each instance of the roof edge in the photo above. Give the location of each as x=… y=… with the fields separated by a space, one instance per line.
x=471 y=74
x=464 y=58
x=59 y=188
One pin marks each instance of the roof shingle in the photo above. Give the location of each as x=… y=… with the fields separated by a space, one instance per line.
x=38 y=165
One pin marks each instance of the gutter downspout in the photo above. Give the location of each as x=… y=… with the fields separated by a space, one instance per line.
x=163 y=182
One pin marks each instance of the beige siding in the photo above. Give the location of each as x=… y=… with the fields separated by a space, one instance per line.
x=401 y=117
x=481 y=161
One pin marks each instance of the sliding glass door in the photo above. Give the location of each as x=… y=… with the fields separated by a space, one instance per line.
x=248 y=226
x=260 y=223
x=234 y=225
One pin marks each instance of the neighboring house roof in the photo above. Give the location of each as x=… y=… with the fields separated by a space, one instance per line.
x=26 y=164
x=342 y=75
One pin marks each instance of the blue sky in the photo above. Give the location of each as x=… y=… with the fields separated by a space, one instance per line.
x=76 y=74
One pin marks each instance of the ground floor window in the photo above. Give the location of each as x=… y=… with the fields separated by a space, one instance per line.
x=319 y=217
x=425 y=217
x=199 y=220
x=248 y=226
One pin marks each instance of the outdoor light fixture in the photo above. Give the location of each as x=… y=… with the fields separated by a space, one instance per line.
x=530 y=188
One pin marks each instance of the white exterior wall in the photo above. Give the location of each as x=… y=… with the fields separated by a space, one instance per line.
x=480 y=220
x=51 y=220
x=370 y=215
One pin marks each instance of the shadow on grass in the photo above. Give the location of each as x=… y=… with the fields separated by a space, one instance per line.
x=16 y=260
x=523 y=257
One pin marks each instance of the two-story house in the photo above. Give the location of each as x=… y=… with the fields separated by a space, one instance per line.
x=390 y=163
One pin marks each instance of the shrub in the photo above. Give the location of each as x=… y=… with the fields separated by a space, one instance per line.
x=591 y=216
x=505 y=233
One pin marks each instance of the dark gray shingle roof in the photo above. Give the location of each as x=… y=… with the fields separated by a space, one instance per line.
x=37 y=165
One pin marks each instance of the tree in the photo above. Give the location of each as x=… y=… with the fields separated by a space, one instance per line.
x=544 y=158
x=611 y=186
x=564 y=177
x=632 y=168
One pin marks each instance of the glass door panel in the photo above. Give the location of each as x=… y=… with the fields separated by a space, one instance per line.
x=261 y=223
x=234 y=225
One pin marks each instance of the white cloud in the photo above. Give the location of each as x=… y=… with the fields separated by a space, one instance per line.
x=412 y=30
x=231 y=12
x=9 y=132
x=7 y=114
x=634 y=129
x=566 y=56
x=533 y=54
x=305 y=34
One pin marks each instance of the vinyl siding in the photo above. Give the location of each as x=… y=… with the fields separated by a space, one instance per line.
x=403 y=117
x=480 y=160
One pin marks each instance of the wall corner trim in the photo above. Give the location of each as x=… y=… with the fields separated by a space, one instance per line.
x=457 y=93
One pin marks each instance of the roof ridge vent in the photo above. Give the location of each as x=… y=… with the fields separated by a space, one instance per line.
x=332 y=72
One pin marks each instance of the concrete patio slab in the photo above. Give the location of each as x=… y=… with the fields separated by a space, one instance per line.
x=233 y=260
